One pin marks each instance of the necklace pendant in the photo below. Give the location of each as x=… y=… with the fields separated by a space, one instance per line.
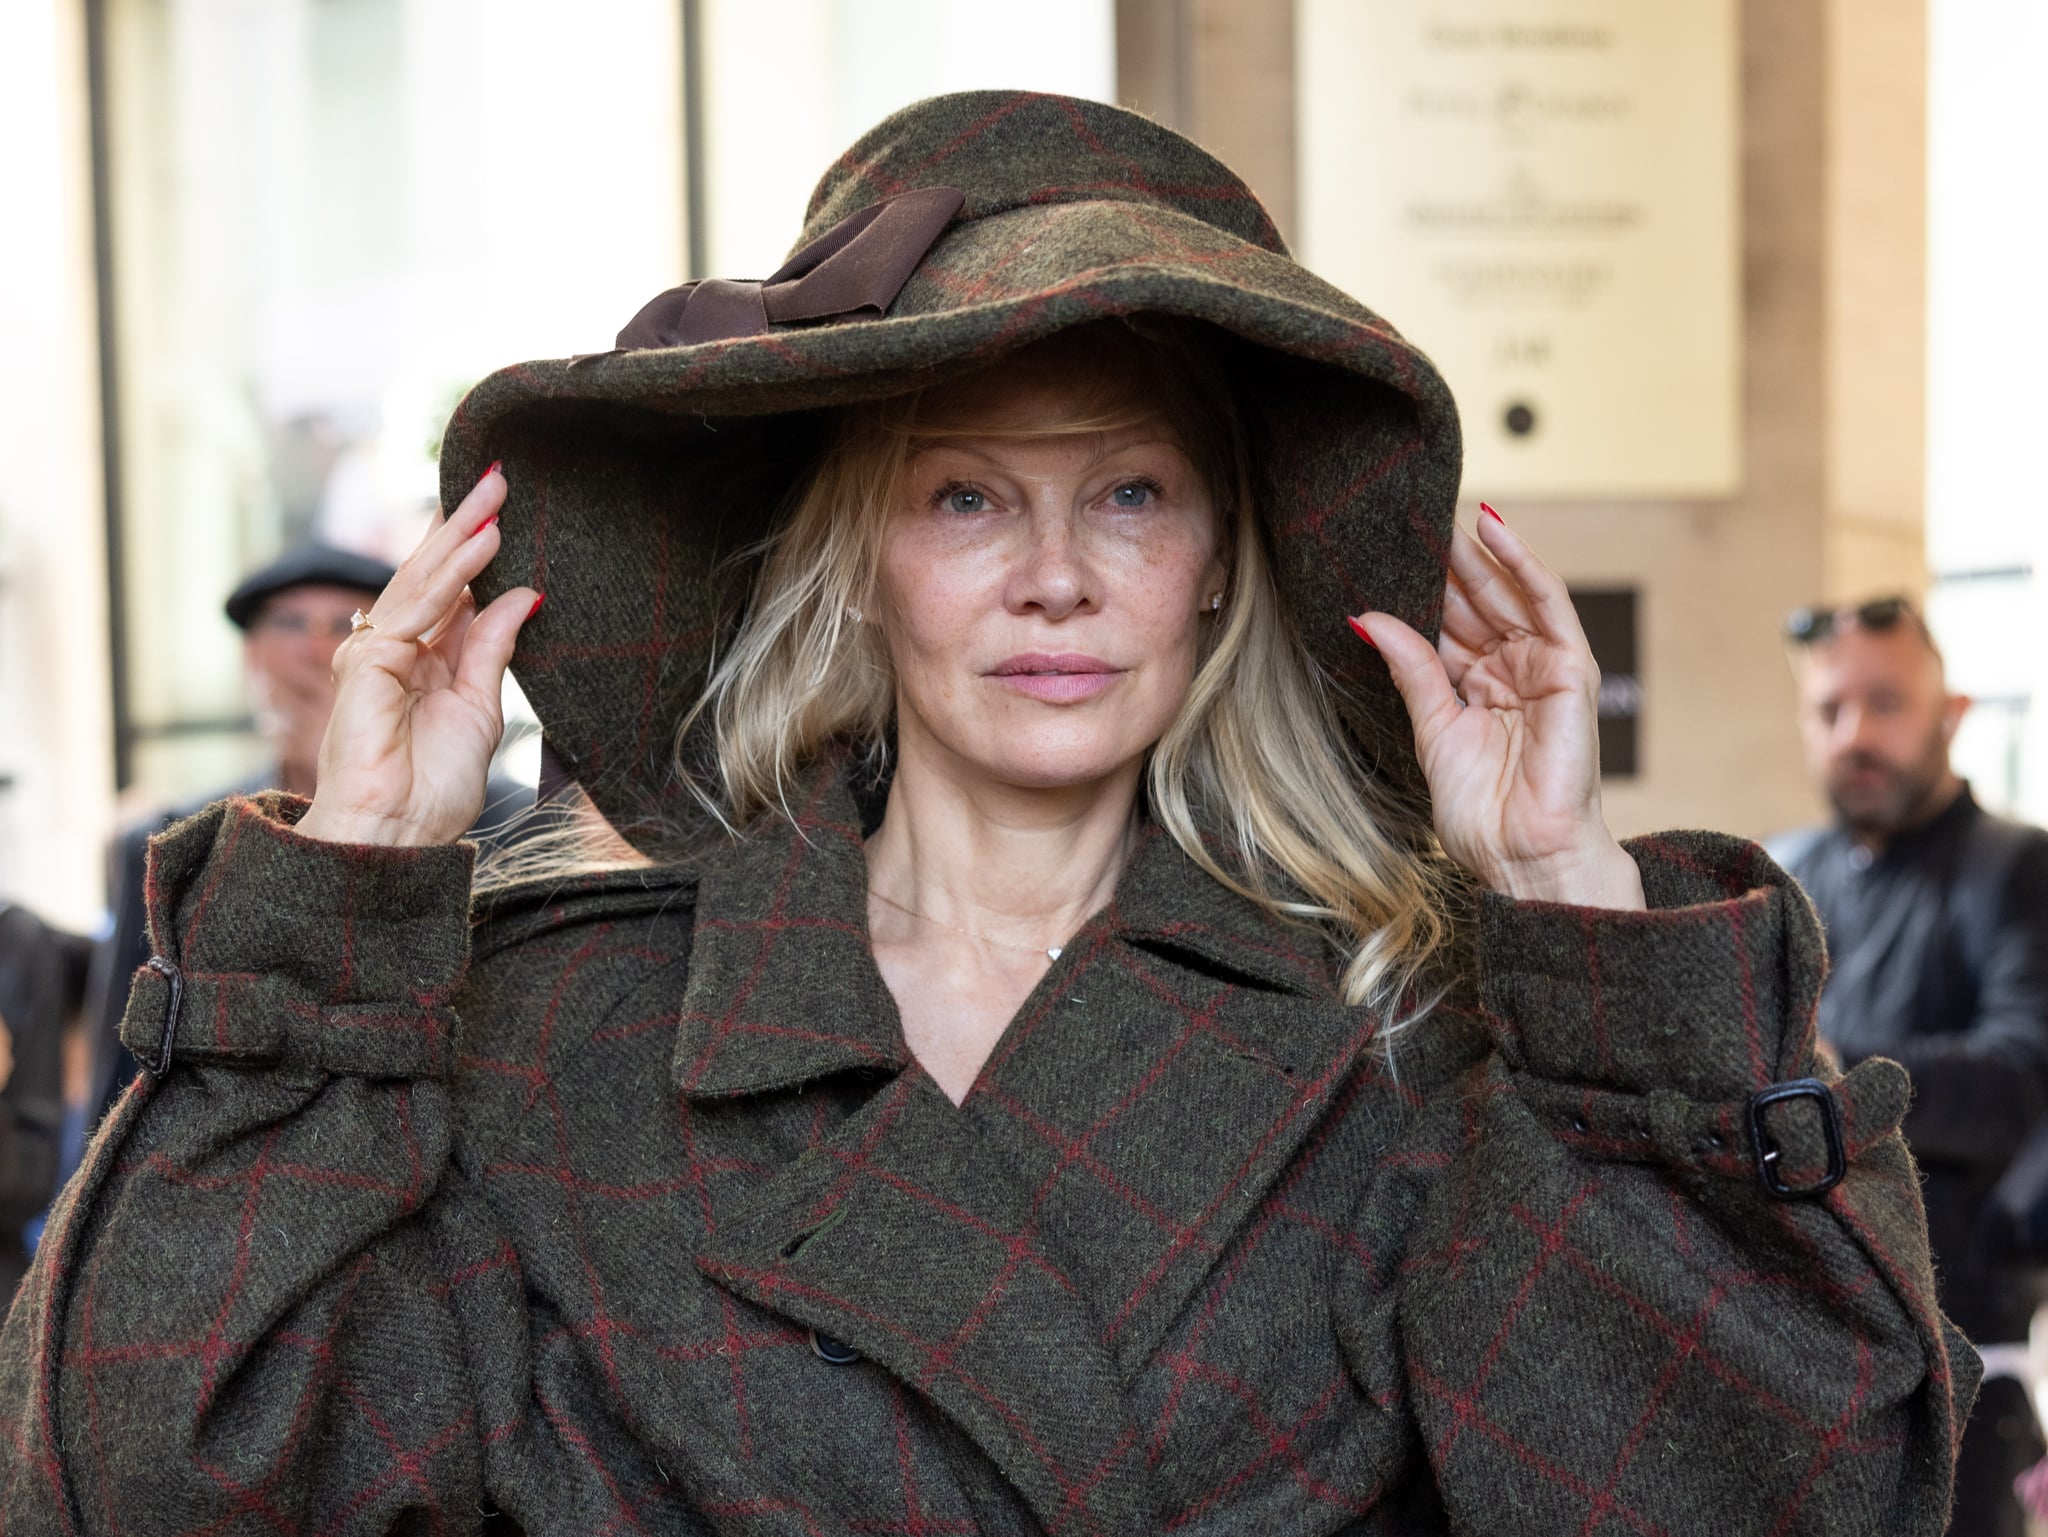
x=1052 y=952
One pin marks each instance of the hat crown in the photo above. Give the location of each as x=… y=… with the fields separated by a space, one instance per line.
x=1024 y=149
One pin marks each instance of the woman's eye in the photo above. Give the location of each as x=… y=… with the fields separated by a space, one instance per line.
x=1136 y=493
x=964 y=499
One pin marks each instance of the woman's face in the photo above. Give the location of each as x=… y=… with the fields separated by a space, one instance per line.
x=1043 y=599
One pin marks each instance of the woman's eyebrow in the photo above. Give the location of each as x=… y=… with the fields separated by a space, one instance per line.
x=1105 y=447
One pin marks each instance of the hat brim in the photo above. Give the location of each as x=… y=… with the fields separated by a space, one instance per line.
x=634 y=477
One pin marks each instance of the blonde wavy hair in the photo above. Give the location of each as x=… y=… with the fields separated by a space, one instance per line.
x=1254 y=779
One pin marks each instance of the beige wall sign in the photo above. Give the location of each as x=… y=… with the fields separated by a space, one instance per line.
x=1542 y=194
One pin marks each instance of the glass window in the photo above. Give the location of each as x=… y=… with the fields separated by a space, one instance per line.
x=1987 y=529
x=786 y=87
x=330 y=217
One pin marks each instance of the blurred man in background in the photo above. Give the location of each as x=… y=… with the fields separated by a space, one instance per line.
x=1937 y=925
x=42 y=972
x=293 y=614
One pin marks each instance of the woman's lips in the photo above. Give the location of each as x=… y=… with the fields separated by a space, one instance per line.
x=1062 y=679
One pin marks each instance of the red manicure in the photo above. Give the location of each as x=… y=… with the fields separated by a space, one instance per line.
x=537 y=602
x=493 y=470
x=1361 y=632
x=1503 y=522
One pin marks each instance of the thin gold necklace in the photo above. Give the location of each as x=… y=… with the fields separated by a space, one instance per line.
x=1050 y=952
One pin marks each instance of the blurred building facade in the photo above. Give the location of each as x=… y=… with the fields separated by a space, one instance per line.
x=263 y=245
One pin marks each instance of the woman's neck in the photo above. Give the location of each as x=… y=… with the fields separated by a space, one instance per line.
x=1010 y=866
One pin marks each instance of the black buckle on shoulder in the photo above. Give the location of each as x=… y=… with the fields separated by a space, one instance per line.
x=170 y=973
x=1767 y=1154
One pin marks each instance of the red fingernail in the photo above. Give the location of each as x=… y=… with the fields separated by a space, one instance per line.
x=495 y=469
x=487 y=522
x=537 y=602
x=1362 y=635
x=1503 y=522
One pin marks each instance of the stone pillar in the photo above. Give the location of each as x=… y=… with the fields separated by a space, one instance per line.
x=1221 y=72
x=1874 y=540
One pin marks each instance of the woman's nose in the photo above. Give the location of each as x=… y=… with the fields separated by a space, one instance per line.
x=1052 y=575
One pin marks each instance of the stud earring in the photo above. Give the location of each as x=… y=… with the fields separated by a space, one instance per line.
x=1215 y=602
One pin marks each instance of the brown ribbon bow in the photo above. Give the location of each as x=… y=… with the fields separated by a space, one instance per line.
x=855 y=269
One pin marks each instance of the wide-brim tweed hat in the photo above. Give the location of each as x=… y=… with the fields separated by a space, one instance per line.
x=955 y=230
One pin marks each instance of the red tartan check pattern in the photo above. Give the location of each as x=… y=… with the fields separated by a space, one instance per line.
x=1191 y=1257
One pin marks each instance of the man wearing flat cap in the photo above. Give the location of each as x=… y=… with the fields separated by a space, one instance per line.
x=292 y=613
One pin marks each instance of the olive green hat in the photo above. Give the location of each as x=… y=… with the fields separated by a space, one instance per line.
x=955 y=230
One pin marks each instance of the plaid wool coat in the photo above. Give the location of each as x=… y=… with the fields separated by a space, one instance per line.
x=622 y=1208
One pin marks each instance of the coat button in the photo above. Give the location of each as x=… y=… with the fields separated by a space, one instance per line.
x=833 y=1352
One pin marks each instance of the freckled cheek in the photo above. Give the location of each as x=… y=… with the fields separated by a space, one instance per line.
x=1159 y=581
x=932 y=610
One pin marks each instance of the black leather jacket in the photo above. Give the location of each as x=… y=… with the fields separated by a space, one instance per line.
x=41 y=975
x=1939 y=949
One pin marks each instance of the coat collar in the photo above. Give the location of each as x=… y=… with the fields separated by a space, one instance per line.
x=782 y=986
x=904 y=1234
x=1016 y=1259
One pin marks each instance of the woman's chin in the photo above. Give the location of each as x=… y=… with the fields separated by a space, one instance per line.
x=1036 y=747
x=1054 y=768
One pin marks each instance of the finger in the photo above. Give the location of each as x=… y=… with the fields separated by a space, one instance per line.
x=1463 y=623
x=1548 y=602
x=400 y=639
x=1462 y=638
x=436 y=517
x=487 y=644
x=472 y=512
x=484 y=498
x=1458 y=659
x=420 y=600
x=1419 y=675
x=422 y=592
x=439 y=649
x=1495 y=596
x=446 y=635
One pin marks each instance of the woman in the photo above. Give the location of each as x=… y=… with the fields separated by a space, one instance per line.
x=1077 y=1090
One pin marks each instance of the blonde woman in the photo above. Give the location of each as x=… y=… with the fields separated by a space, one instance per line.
x=1123 y=1014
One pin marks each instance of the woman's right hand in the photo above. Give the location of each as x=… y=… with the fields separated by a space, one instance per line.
x=416 y=714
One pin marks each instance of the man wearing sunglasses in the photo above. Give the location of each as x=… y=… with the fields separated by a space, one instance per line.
x=1937 y=923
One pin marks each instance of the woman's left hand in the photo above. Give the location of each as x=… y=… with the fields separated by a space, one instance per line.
x=1506 y=717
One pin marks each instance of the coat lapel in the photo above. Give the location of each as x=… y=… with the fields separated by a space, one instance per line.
x=1163 y=1088
x=782 y=987
x=901 y=1236
x=1018 y=1258
x=898 y=1231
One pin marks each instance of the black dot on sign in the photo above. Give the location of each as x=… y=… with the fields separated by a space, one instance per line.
x=1519 y=419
